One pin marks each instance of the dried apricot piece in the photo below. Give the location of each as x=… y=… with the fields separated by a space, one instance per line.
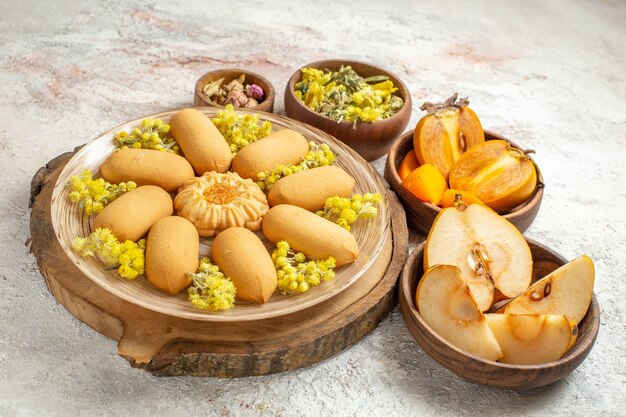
x=408 y=165
x=448 y=131
x=426 y=183
x=500 y=175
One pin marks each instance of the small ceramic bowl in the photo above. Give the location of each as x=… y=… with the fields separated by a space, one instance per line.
x=266 y=105
x=421 y=215
x=370 y=140
x=485 y=371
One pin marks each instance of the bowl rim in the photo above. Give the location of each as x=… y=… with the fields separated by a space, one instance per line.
x=521 y=208
x=269 y=97
x=579 y=347
x=406 y=107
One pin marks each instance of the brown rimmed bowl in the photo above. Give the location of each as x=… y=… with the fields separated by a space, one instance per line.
x=421 y=215
x=370 y=140
x=266 y=105
x=484 y=371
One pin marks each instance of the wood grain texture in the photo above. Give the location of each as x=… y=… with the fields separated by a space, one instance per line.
x=421 y=215
x=484 y=371
x=370 y=140
x=267 y=105
x=167 y=345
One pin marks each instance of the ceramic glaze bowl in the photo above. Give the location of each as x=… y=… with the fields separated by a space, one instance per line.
x=370 y=140
x=266 y=105
x=421 y=215
x=485 y=371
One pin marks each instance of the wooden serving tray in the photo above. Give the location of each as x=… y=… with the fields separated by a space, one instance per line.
x=168 y=345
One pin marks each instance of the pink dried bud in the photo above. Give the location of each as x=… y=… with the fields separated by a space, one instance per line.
x=254 y=91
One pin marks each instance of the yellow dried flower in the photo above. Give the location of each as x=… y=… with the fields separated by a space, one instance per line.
x=128 y=257
x=344 y=95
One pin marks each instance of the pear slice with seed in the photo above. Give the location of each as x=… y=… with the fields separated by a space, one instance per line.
x=490 y=252
x=567 y=290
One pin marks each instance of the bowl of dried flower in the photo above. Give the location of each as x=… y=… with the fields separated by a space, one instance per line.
x=364 y=106
x=241 y=88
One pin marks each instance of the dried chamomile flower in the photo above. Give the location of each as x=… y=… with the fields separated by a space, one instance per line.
x=210 y=289
x=240 y=129
x=94 y=195
x=345 y=211
x=345 y=95
x=318 y=156
x=127 y=257
x=296 y=274
x=151 y=134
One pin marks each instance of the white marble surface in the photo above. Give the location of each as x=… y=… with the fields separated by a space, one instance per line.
x=549 y=75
